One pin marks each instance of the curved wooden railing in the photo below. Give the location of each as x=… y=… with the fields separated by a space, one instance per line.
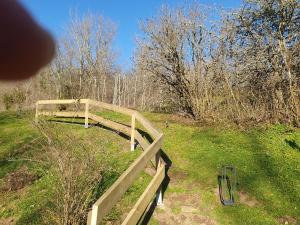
x=107 y=201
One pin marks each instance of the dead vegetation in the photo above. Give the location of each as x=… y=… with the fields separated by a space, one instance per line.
x=18 y=179
x=240 y=66
x=77 y=170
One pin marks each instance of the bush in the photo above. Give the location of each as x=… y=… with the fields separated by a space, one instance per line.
x=15 y=98
x=19 y=98
x=8 y=100
x=77 y=172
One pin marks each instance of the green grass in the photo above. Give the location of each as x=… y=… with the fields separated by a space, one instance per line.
x=267 y=161
x=114 y=116
x=26 y=205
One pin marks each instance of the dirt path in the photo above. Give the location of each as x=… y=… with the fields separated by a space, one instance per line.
x=182 y=205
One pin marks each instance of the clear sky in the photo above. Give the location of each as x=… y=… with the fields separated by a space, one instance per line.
x=54 y=15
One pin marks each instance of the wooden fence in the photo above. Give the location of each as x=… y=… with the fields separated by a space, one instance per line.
x=151 y=150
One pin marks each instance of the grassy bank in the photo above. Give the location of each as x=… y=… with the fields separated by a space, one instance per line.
x=25 y=200
x=267 y=161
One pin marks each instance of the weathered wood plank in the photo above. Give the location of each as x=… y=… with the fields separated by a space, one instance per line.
x=140 y=118
x=108 y=123
x=62 y=114
x=89 y=218
x=36 y=112
x=105 y=203
x=146 y=123
x=86 y=116
x=143 y=143
x=141 y=205
x=121 y=128
x=111 y=124
x=149 y=127
x=61 y=101
x=111 y=107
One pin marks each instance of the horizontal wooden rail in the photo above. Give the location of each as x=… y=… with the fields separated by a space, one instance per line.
x=112 y=107
x=141 y=205
x=63 y=114
x=146 y=123
x=140 y=118
x=108 y=123
x=61 y=101
x=121 y=128
x=107 y=201
x=116 y=191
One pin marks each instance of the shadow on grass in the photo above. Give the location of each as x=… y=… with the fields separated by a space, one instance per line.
x=263 y=174
x=123 y=135
x=145 y=135
x=268 y=170
x=111 y=179
x=293 y=144
x=271 y=169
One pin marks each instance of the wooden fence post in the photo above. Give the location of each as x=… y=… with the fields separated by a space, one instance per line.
x=36 y=112
x=159 y=196
x=86 y=121
x=132 y=142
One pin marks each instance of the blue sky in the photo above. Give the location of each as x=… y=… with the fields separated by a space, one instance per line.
x=54 y=15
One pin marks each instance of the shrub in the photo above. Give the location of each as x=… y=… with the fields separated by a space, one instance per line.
x=8 y=100
x=19 y=98
x=15 y=98
x=77 y=172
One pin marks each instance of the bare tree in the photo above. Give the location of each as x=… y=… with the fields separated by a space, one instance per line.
x=176 y=49
x=240 y=66
x=267 y=33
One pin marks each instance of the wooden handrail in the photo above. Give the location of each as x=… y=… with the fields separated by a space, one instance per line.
x=137 y=211
x=61 y=101
x=107 y=201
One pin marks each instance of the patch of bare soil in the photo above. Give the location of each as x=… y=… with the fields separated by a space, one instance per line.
x=244 y=198
x=288 y=220
x=182 y=119
x=18 y=180
x=7 y=221
x=182 y=208
x=247 y=200
x=177 y=176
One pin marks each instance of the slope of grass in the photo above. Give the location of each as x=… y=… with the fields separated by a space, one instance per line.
x=267 y=161
x=18 y=136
